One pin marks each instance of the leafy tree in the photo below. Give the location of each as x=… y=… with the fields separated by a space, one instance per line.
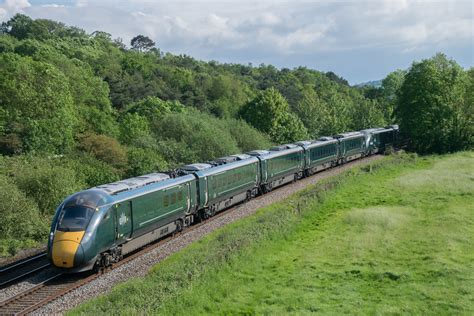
x=246 y=137
x=269 y=112
x=90 y=170
x=332 y=76
x=142 y=43
x=431 y=108
x=366 y=114
x=133 y=127
x=25 y=221
x=48 y=185
x=390 y=88
x=154 y=108
x=144 y=160
x=36 y=105
x=104 y=148
x=201 y=134
x=311 y=111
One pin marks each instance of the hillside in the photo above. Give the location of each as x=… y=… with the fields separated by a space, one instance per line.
x=393 y=237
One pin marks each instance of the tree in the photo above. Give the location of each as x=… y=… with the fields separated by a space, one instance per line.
x=104 y=148
x=431 y=108
x=142 y=43
x=390 y=88
x=154 y=108
x=133 y=127
x=332 y=76
x=310 y=109
x=37 y=106
x=269 y=112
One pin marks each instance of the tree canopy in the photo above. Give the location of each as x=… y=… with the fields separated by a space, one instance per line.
x=433 y=106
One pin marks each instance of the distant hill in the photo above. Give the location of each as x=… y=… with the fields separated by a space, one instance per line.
x=375 y=84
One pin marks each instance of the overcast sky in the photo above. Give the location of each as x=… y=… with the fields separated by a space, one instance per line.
x=359 y=40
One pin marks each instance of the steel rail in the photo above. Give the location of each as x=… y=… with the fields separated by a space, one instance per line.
x=23 y=268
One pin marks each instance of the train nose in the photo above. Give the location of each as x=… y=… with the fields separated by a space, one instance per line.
x=67 y=250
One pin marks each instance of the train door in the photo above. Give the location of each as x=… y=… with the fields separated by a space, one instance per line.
x=123 y=216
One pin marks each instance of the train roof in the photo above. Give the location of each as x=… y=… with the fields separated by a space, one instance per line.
x=132 y=183
x=227 y=166
x=115 y=192
x=325 y=138
x=153 y=187
x=266 y=154
x=229 y=159
x=258 y=152
x=283 y=147
x=316 y=143
x=196 y=167
x=349 y=135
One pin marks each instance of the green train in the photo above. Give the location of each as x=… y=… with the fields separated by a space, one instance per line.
x=95 y=228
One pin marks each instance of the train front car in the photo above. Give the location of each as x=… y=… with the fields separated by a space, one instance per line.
x=71 y=244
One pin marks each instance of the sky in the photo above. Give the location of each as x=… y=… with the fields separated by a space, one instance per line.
x=358 y=40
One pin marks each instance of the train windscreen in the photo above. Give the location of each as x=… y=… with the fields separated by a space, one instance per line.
x=75 y=218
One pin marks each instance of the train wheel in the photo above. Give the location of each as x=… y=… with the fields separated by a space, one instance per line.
x=179 y=226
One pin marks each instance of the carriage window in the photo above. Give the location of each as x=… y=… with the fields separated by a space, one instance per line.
x=173 y=198
x=180 y=195
x=166 y=201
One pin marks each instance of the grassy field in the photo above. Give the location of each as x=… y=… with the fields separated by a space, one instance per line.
x=396 y=237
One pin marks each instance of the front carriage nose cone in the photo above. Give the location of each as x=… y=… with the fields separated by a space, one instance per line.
x=67 y=250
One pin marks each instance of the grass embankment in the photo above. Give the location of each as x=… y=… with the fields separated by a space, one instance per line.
x=395 y=237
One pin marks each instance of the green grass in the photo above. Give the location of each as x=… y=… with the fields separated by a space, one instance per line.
x=396 y=237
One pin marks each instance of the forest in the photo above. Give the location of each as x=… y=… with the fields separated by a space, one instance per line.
x=78 y=110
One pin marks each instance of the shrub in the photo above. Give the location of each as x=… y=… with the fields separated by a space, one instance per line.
x=133 y=127
x=46 y=183
x=247 y=137
x=91 y=171
x=203 y=135
x=104 y=148
x=144 y=160
x=19 y=215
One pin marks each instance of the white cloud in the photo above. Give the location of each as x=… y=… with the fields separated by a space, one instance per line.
x=279 y=31
x=53 y=5
x=10 y=7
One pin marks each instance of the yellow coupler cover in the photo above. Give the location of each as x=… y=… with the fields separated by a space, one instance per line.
x=65 y=245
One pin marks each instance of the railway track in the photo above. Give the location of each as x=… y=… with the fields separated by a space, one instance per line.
x=22 y=268
x=61 y=284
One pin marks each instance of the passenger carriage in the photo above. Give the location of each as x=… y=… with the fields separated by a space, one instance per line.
x=319 y=154
x=225 y=182
x=279 y=165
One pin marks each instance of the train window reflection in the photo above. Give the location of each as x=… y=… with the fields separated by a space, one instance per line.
x=76 y=218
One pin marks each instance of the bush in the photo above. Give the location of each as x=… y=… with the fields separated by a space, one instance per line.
x=202 y=135
x=91 y=171
x=144 y=160
x=47 y=183
x=269 y=113
x=19 y=215
x=247 y=137
x=36 y=104
x=176 y=153
x=133 y=127
x=104 y=148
